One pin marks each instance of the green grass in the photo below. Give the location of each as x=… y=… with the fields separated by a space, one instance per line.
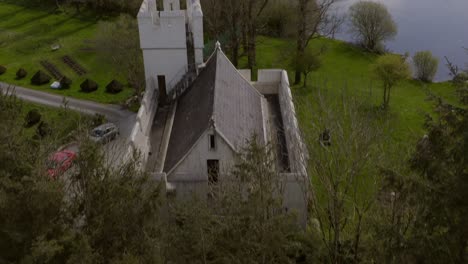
x=63 y=122
x=26 y=35
x=348 y=67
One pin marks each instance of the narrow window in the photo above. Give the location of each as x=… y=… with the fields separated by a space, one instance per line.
x=172 y=6
x=212 y=142
x=213 y=171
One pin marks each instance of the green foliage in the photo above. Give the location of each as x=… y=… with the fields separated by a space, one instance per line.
x=391 y=69
x=89 y=86
x=21 y=73
x=441 y=163
x=426 y=65
x=114 y=87
x=43 y=130
x=32 y=118
x=279 y=19
x=65 y=82
x=98 y=120
x=243 y=219
x=309 y=62
x=372 y=24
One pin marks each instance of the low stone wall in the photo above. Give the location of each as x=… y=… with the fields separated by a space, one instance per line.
x=297 y=150
x=139 y=139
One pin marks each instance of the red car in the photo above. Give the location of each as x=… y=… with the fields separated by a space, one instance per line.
x=60 y=162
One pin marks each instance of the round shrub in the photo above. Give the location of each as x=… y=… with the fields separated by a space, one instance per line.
x=114 y=87
x=21 y=73
x=65 y=82
x=40 y=78
x=43 y=130
x=426 y=65
x=32 y=118
x=89 y=86
x=2 y=69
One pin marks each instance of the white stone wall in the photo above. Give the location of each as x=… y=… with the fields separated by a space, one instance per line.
x=139 y=138
x=195 y=162
x=163 y=41
x=296 y=148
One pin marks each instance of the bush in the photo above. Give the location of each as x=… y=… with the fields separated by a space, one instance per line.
x=279 y=20
x=65 y=82
x=89 y=86
x=40 y=78
x=371 y=24
x=43 y=130
x=21 y=73
x=114 y=87
x=426 y=65
x=32 y=118
x=98 y=120
x=2 y=69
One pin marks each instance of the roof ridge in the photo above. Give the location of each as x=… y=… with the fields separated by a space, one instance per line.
x=240 y=75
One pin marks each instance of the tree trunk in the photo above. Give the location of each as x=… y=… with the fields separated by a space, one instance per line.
x=235 y=53
x=388 y=96
x=305 y=80
x=252 y=47
x=301 y=37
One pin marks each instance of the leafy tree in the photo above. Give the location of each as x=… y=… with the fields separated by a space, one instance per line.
x=92 y=214
x=313 y=20
x=251 y=12
x=426 y=65
x=441 y=163
x=460 y=80
x=242 y=220
x=371 y=23
x=391 y=70
x=344 y=174
x=309 y=62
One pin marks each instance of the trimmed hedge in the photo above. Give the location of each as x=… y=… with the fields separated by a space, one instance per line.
x=40 y=78
x=65 y=82
x=114 y=87
x=32 y=118
x=21 y=73
x=2 y=69
x=89 y=86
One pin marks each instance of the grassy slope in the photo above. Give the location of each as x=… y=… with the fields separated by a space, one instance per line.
x=348 y=67
x=62 y=121
x=26 y=35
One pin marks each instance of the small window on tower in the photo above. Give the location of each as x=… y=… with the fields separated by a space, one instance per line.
x=212 y=142
x=172 y=6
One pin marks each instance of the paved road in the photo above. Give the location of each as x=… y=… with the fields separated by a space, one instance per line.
x=116 y=114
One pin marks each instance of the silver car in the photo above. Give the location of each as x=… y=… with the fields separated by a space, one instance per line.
x=104 y=133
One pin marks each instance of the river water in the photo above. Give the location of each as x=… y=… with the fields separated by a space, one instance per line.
x=440 y=26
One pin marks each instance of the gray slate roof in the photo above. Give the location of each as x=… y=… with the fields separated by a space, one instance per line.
x=221 y=95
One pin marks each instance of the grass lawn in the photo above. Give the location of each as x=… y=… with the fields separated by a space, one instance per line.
x=26 y=36
x=61 y=121
x=348 y=67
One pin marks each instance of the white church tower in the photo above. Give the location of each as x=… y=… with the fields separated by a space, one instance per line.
x=171 y=40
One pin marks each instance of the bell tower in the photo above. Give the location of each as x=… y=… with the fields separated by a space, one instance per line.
x=171 y=40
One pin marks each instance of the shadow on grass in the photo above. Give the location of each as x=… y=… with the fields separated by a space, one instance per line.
x=27 y=20
x=6 y=17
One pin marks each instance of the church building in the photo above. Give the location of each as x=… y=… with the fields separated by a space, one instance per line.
x=197 y=114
